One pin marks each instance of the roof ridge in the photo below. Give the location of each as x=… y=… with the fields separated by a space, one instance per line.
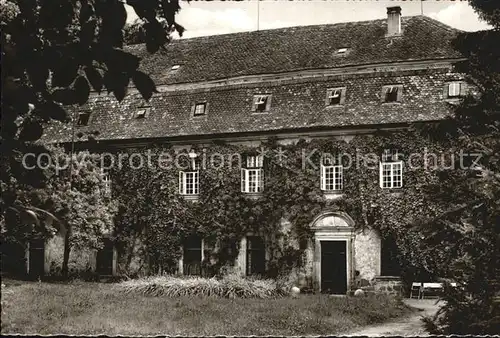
x=440 y=24
x=330 y=25
x=336 y=24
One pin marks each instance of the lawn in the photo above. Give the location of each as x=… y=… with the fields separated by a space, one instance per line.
x=93 y=308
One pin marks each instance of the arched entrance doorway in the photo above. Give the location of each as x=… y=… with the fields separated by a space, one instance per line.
x=333 y=237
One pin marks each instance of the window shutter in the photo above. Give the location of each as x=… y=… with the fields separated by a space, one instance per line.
x=182 y=178
x=243 y=179
x=196 y=183
x=193 y=109
x=260 y=173
x=342 y=95
x=206 y=108
x=339 y=171
x=268 y=102
x=402 y=174
x=400 y=93
x=446 y=90
x=322 y=177
x=381 y=169
x=463 y=89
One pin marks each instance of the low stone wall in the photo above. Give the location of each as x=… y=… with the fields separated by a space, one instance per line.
x=390 y=285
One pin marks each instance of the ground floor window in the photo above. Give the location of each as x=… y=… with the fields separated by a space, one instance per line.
x=104 y=261
x=192 y=255
x=36 y=258
x=389 y=257
x=256 y=256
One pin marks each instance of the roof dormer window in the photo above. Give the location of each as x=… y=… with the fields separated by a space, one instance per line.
x=392 y=93
x=455 y=90
x=335 y=96
x=261 y=103
x=175 y=67
x=142 y=112
x=83 y=118
x=341 y=50
x=199 y=109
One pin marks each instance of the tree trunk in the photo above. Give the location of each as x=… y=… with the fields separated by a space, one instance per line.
x=67 y=249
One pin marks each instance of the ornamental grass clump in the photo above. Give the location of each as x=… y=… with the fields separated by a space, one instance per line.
x=227 y=287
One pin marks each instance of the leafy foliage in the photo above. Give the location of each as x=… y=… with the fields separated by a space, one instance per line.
x=78 y=205
x=466 y=239
x=231 y=286
x=54 y=53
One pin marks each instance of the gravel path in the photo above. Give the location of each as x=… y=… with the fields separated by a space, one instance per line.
x=407 y=326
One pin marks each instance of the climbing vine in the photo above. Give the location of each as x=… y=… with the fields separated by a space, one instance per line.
x=154 y=214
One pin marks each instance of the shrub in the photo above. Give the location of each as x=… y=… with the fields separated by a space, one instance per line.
x=229 y=286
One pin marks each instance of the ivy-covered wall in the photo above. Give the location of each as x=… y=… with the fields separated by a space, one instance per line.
x=153 y=218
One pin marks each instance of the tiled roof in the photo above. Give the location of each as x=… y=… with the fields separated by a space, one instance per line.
x=296 y=104
x=297 y=48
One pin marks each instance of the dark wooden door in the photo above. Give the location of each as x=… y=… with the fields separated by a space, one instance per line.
x=333 y=267
x=37 y=258
x=105 y=259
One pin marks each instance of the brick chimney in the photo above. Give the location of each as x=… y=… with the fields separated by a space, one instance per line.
x=393 y=21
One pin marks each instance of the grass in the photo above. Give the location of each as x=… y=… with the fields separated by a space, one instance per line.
x=230 y=286
x=93 y=308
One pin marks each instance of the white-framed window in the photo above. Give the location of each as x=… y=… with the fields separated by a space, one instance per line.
x=200 y=109
x=261 y=102
x=331 y=177
x=189 y=182
x=252 y=177
x=391 y=170
x=454 y=89
x=255 y=161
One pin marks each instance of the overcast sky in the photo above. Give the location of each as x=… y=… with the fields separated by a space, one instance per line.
x=202 y=18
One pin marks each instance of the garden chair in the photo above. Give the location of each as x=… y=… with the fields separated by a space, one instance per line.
x=416 y=288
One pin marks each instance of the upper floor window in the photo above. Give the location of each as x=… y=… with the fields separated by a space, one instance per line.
x=331 y=174
x=391 y=170
x=261 y=103
x=189 y=179
x=392 y=93
x=455 y=89
x=335 y=96
x=252 y=176
x=200 y=109
x=83 y=118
